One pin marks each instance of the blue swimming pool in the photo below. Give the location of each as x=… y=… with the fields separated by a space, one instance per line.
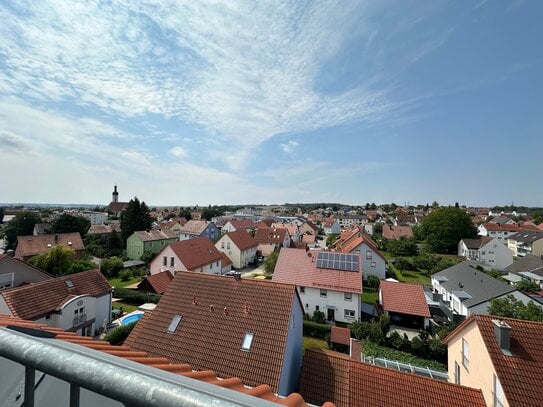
x=131 y=318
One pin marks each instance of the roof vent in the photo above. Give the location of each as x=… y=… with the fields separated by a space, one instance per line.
x=49 y=245
x=69 y=283
x=211 y=307
x=194 y=301
x=237 y=276
x=502 y=331
x=225 y=311
x=70 y=243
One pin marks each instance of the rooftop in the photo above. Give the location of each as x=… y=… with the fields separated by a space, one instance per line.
x=242 y=239
x=33 y=245
x=194 y=227
x=404 y=298
x=156 y=283
x=195 y=253
x=155 y=234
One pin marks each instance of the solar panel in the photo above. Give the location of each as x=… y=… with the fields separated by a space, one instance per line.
x=338 y=261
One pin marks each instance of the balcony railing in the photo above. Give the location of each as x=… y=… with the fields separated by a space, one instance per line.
x=79 y=320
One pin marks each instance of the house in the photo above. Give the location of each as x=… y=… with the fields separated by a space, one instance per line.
x=148 y=241
x=79 y=302
x=405 y=304
x=198 y=254
x=397 y=232
x=526 y=242
x=347 y=382
x=292 y=229
x=233 y=225
x=347 y=221
x=328 y=282
x=331 y=227
x=502 y=220
x=502 y=357
x=174 y=224
x=487 y=251
x=529 y=267
x=467 y=291
x=104 y=229
x=355 y=240
x=198 y=228
x=248 y=328
x=15 y=272
x=95 y=218
x=239 y=246
x=66 y=359
x=41 y=229
x=156 y=283
x=501 y=232
x=271 y=239
x=308 y=228
x=27 y=247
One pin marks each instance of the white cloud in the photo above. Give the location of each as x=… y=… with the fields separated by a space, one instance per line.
x=178 y=152
x=289 y=147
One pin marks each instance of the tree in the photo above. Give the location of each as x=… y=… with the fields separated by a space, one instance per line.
x=444 y=228
x=1 y=215
x=510 y=307
x=270 y=262
x=56 y=261
x=67 y=223
x=527 y=286
x=402 y=247
x=21 y=225
x=136 y=217
x=111 y=267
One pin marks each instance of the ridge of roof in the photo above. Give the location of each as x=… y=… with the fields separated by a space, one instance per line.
x=242 y=239
x=195 y=253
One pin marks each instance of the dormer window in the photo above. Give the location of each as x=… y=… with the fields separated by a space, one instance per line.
x=174 y=323
x=247 y=341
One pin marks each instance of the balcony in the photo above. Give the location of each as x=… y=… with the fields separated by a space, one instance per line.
x=81 y=319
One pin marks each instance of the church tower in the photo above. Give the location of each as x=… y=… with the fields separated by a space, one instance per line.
x=115 y=194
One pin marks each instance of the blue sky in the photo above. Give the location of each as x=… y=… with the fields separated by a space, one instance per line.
x=224 y=102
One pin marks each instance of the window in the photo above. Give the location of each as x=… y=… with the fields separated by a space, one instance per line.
x=324 y=293
x=174 y=323
x=165 y=261
x=498 y=397
x=48 y=317
x=228 y=245
x=349 y=313
x=373 y=264
x=368 y=254
x=307 y=305
x=172 y=261
x=456 y=373
x=222 y=245
x=217 y=264
x=316 y=307
x=347 y=296
x=465 y=353
x=69 y=283
x=211 y=266
x=302 y=289
x=247 y=341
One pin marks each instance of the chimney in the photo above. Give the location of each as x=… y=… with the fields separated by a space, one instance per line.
x=10 y=253
x=502 y=331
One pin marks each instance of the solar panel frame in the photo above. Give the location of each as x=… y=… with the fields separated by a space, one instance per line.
x=338 y=261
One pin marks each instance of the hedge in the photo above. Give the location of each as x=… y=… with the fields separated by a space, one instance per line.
x=135 y=297
x=317 y=330
x=118 y=335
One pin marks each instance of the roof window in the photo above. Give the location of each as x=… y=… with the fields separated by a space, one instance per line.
x=174 y=323
x=247 y=341
x=69 y=283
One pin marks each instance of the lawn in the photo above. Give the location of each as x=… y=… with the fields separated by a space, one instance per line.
x=414 y=277
x=116 y=282
x=127 y=307
x=310 y=342
x=369 y=295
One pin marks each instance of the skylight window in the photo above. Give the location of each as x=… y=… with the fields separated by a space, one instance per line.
x=69 y=283
x=174 y=323
x=247 y=341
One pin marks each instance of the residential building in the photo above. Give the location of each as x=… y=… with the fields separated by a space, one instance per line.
x=529 y=267
x=487 y=251
x=501 y=232
x=501 y=220
x=233 y=225
x=292 y=229
x=41 y=229
x=397 y=232
x=27 y=247
x=347 y=221
x=502 y=357
x=239 y=246
x=156 y=283
x=327 y=281
x=526 y=242
x=15 y=272
x=148 y=241
x=174 y=224
x=104 y=229
x=248 y=328
x=198 y=254
x=308 y=228
x=331 y=227
x=198 y=228
x=271 y=239
x=79 y=302
x=405 y=304
x=95 y=218
x=347 y=382
x=467 y=291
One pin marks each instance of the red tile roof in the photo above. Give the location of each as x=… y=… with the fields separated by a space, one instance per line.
x=477 y=243
x=509 y=227
x=308 y=238
x=340 y=335
x=296 y=266
x=117 y=206
x=155 y=234
x=216 y=313
x=395 y=232
x=195 y=253
x=262 y=391
x=173 y=221
x=404 y=298
x=520 y=373
x=225 y=260
x=264 y=223
x=38 y=299
x=33 y=245
x=156 y=283
x=242 y=224
x=104 y=229
x=194 y=227
x=333 y=376
x=291 y=228
x=270 y=235
x=242 y=239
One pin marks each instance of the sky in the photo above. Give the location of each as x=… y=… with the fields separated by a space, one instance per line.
x=227 y=102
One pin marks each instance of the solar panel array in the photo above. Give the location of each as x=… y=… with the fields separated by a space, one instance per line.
x=338 y=261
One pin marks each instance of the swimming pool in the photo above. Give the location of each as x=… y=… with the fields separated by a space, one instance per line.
x=133 y=317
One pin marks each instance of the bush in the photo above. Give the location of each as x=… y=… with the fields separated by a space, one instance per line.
x=402 y=247
x=317 y=330
x=125 y=275
x=403 y=264
x=118 y=335
x=319 y=317
x=135 y=297
x=373 y=282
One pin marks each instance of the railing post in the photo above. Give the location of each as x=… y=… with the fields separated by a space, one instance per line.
x=30 y=380
x=74 y=395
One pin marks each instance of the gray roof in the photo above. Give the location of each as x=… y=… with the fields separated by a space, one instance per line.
x=478 y=285
x=528 y=263
x=527 y=236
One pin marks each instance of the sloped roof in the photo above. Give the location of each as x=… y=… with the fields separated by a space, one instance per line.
x=475 y=244
x=528 y=263
x=156 y=283
x=155 y=234
x=311 y=225
x=37 y=299
x=395 y=232
x=353 y=243
x=194 y=227
x=262 y=391
x=174 y=221
x=117 y=206
x=104 y=229
x=270 y=235
x=242 y=223
x=404 y=298
x=527 y=236
x=242 y=239
x=333 y=376
x=520 y=372
x=508 y=227
x=340 y=335
x=7 y=259
x=296 y=266
x=33 y=245
x=195 y=253
x=290 y=227
x=207 y=302
x=225 y=260
x=264 y=223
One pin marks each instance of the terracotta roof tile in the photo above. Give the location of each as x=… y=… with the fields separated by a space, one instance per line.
x=270 y=235
x=242 y=224
x=37 y=299
x=333 y=376
x=233 y=383
x=395 y=232
x=225 y=260
x=155 y=234
x=404 y=298
x=195 y=253
x=33 y=245
x=207 y=302
x=104 y=229
x=477 y=243
x=156 y=283
x=242 y=239
x=340 y=335
x=194 y=227
x=296 y=266
x=508 y=227
x=117 y=206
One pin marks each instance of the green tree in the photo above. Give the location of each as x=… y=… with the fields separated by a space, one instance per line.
x=56 y=261
x=330 y=240
x=402 y=247
x=21 y=225
x=67 y=223
x=510 y=307
x=136 y=217
x=1 y=215
x=444 y=228
x=270 y=262
x=527 y=286
x=111 y=267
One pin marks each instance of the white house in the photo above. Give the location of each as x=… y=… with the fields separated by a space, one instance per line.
x=239 y=246
x=331 y=227
x=500 y=232
x=198 y=254
x=486 y=250
x=79 y=302
x=95 y=218
x=293 y=230
x=326 y=281
x=15 y=272
x=270 y=239
x=233 y=225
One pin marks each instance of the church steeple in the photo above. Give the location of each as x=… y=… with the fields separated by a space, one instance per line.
x=115 y=194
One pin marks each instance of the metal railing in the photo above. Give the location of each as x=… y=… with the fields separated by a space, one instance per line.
x=130 y=383
x=79 y=320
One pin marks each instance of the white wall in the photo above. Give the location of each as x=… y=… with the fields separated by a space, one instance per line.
x=372 y=264
x=336 y=299
x=292 y=357
x=496 y=255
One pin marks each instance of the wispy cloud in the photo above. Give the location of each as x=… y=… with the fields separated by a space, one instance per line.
x=178 y=152
x=289 y=146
